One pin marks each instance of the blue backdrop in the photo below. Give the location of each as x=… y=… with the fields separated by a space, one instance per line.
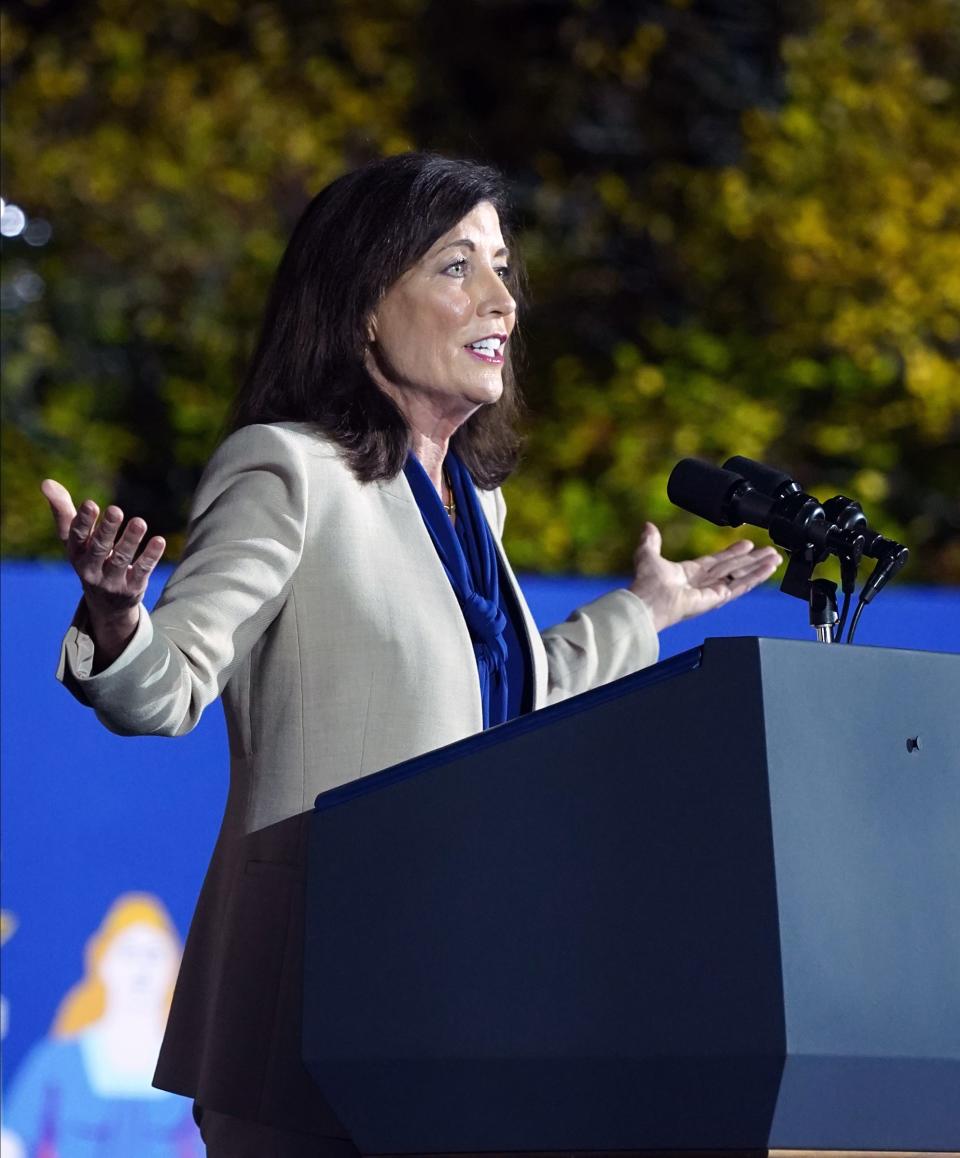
x=88 y=815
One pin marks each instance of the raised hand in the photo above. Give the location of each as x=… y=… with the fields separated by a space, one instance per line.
x=677 y=591
x=114 y=577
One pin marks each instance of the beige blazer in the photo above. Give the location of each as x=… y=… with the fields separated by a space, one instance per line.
x=318 y=608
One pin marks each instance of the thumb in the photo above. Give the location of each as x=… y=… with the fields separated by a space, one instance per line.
x=61 y=504
x=651 y=541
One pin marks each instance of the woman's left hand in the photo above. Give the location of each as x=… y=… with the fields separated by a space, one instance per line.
x=676 y=591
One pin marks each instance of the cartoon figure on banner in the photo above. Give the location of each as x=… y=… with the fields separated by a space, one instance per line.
x=85 y=1091
x=9 y=1144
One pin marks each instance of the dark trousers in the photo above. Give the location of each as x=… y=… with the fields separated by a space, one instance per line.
x=228 y=1137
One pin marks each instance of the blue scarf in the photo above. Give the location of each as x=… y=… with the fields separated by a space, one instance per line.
x=469 y=557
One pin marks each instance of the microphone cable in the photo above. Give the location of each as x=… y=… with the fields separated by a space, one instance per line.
x=861 y=604
x=843 y=615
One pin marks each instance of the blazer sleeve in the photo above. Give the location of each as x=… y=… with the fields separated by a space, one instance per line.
x=244 y=544
x=601 y=641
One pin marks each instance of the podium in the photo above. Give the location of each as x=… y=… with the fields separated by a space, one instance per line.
x=713 y=905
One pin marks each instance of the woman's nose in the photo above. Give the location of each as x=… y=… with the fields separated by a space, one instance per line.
x=496 y=298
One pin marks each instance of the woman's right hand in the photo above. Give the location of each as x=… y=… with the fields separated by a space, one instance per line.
x=114 y=580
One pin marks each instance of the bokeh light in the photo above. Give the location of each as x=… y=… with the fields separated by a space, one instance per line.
x=12 y=221
x=38 y=232
x=29 y=286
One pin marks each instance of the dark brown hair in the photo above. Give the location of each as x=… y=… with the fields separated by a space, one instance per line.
x=352 y=242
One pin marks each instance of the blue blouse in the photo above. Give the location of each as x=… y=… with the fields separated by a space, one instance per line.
x=470 y=558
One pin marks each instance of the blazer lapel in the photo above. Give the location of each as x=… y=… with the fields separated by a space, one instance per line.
x=398 y=489
x=435 y=586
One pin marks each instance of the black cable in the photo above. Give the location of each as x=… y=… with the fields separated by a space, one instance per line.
x=856 y=620
x=838 y=630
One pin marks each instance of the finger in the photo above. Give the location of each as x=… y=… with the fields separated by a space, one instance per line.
x=82 y=526
x=101 y=541
x=651 y=541
x=121 y=556
x=735 y=551
x=767 y=561
x=61 y=506
x=707 y=566
x=726 y=564
x=741 y=576
x=740 y=585
x=149 y=557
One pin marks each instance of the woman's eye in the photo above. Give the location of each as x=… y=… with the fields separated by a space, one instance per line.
x=459 y=267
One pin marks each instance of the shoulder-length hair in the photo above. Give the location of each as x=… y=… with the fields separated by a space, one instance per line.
x=353 y=241
x=86 y=1002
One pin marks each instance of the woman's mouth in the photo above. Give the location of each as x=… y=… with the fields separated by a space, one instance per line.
x=489 y=349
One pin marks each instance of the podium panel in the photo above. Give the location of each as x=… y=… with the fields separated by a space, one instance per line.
x=714 y=905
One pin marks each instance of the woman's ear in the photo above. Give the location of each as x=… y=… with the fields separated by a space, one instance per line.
x=372 y=329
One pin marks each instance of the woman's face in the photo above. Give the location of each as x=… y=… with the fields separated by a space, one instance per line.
x=139 y=966
x=439 y=332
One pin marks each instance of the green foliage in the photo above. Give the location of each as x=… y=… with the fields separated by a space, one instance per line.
x=172 y=147
x=819 y=279
x=743 y=236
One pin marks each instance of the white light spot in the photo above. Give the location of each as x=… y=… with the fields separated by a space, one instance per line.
x=12 y=221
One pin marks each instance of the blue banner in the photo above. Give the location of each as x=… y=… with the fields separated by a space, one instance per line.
x=106 y=840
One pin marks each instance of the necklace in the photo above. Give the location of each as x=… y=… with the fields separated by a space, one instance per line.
x=451 y=507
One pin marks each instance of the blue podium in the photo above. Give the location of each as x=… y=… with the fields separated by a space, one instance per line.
x=714 y=905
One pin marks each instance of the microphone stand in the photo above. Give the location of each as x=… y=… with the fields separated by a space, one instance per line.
x=823 y=609
x=820 y=594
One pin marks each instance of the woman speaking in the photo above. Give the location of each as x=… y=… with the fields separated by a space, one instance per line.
x=343 y=587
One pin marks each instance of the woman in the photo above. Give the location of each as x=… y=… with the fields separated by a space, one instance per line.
x=343 y=587
x=85 y=1092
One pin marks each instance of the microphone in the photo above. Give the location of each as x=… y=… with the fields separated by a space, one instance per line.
x=845 y=512
x=744 y=491
x=767 y=479
x=888 y=565
x=794 y=520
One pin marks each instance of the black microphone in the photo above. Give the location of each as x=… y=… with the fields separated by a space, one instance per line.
x=845 y=512
x=794 y=520
x=848 y=514
x=851 y=522
x=888 y=565
x=767 y=479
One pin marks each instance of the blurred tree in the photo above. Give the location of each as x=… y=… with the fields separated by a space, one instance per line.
x=743 y=226
x=171 y=147
x=740 y=220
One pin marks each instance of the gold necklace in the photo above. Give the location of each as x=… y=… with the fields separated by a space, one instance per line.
x=451 y=507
